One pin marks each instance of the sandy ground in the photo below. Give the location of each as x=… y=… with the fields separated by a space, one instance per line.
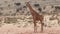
x=11 y=29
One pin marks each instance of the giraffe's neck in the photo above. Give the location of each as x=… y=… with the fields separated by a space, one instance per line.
x=32 y=10
x=29 y=6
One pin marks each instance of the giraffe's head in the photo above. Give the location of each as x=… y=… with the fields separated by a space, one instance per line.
x=27 y=4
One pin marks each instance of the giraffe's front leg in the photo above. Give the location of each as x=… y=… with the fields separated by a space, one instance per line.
x=35 y=27
x=42 y=26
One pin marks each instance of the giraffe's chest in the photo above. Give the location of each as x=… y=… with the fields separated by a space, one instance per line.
x=35 y=17
x=38 y=17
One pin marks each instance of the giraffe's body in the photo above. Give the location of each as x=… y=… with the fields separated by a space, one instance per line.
x=36 y=17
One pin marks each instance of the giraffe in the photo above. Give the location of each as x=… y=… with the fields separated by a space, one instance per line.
x=36 y=17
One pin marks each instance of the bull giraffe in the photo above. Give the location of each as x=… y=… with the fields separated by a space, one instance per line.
x=36 y=17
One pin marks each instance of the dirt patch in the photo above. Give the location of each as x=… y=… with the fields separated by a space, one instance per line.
x=11 y=29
